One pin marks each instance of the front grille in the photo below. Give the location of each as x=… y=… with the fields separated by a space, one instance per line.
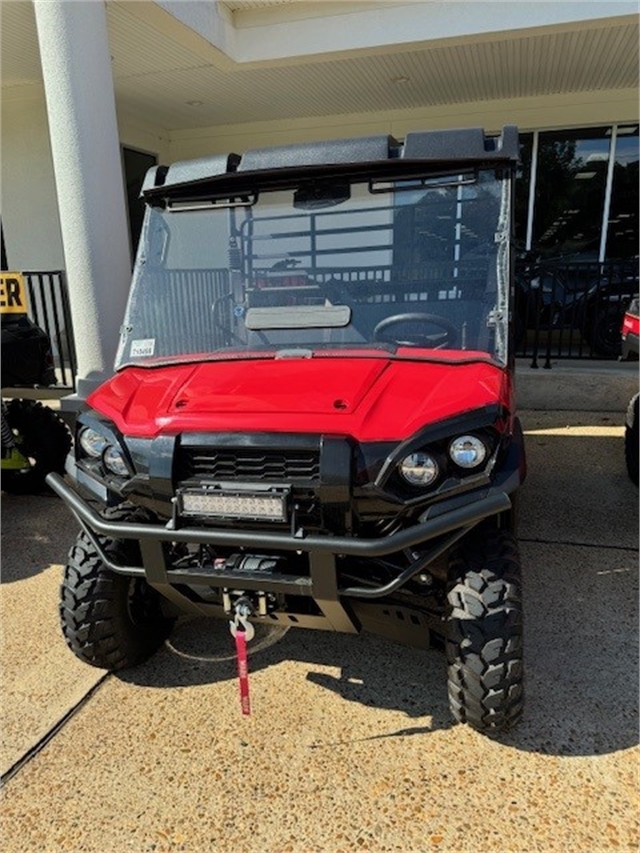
x=250 y=465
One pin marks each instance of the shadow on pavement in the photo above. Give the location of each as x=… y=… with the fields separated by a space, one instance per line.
x=370 y=670
x=581 y=612
x=37 y=532
x=581 y=695
x=579 y=547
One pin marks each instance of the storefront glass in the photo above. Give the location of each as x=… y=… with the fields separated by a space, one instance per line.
x=622 y=239
x=570 y=193
x=523 y=182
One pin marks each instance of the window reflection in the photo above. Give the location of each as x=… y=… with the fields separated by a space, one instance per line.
x=523 y=180
x=622 y=239
x=570 y=190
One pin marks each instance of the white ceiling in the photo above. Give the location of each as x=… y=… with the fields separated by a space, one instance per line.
x=158 y=70
x=254 y=4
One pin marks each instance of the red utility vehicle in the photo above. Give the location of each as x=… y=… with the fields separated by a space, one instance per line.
x=630 y=351
x=312 y=420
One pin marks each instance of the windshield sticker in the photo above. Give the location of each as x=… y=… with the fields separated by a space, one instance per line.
x=238 y=311
x=143 y=347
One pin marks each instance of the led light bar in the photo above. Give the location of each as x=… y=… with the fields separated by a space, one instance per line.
x=226 y=505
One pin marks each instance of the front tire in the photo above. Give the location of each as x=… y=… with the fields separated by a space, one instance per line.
x=110 y=621
x=484 y=632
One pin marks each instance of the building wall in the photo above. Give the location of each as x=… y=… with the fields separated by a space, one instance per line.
x=30 y=220
x=540 y=113
x=29 y=202
x=144 y=137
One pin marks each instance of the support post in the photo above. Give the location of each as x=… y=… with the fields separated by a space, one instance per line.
x=83 y=130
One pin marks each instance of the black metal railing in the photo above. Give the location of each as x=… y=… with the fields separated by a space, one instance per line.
x=571 y=309
x=562 y=310
x=49 y=309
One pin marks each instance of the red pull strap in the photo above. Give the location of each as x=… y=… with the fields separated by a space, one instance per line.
x=243 y=672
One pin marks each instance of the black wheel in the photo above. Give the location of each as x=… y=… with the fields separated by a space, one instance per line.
x=415 y=336
x=43 y=438
x=484 y=632
x=632 y=439
x=602 y=331
x=109 y=620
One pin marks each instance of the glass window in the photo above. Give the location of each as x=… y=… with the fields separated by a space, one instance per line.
x=570 y=190
x=386 y=265
x=523 y=181
x=622 y=239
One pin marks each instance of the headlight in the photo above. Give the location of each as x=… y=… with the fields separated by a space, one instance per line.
x=419 y=469
x=467 y=451
x=93 y=443
x=114 y=461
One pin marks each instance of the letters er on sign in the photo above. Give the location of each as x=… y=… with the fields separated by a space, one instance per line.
x=13 y=293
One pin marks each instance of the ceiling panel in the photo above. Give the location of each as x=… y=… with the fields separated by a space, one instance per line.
x=545 y=64
x=20 y=56
x=139 y=50
x=156 y=76
x=255 y=4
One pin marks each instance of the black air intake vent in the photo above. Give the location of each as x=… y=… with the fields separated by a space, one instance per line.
x=250 y=465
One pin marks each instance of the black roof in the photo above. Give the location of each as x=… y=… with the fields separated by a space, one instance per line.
x=366 y=156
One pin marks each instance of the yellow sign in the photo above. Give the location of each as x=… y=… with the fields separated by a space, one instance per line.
x=13 y=293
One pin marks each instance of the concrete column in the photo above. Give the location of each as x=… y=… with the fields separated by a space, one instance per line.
x=76 y=67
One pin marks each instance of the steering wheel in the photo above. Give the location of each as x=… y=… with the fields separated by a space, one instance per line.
x=446 y=338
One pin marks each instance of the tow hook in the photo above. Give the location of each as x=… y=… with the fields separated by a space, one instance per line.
x=242 y=610
x=256 y=601
x=242 y=632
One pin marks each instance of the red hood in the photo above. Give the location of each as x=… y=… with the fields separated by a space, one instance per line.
x=372 y=399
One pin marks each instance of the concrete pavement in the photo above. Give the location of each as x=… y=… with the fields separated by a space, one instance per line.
x=581 y=385
x=350 y=745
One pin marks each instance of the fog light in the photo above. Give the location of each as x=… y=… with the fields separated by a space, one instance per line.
x=114 y=461
x=419 y=469
x=467 y=451
x=93 y=443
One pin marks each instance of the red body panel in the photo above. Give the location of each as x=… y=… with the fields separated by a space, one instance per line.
x=630 y=325
x=375 y=398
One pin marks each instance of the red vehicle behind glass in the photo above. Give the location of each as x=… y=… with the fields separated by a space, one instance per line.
x=630 y=350
x=630 y=332
x=312 y=421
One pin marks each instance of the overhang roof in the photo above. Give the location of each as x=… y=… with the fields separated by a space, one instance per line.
x=170 y=75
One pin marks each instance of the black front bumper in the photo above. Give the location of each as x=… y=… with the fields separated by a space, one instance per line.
x=321 y=583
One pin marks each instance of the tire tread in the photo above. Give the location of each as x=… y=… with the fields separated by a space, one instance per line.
x=93 y=609
x=484 y=640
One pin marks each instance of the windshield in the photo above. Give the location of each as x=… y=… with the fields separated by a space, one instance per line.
x=420 y=263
